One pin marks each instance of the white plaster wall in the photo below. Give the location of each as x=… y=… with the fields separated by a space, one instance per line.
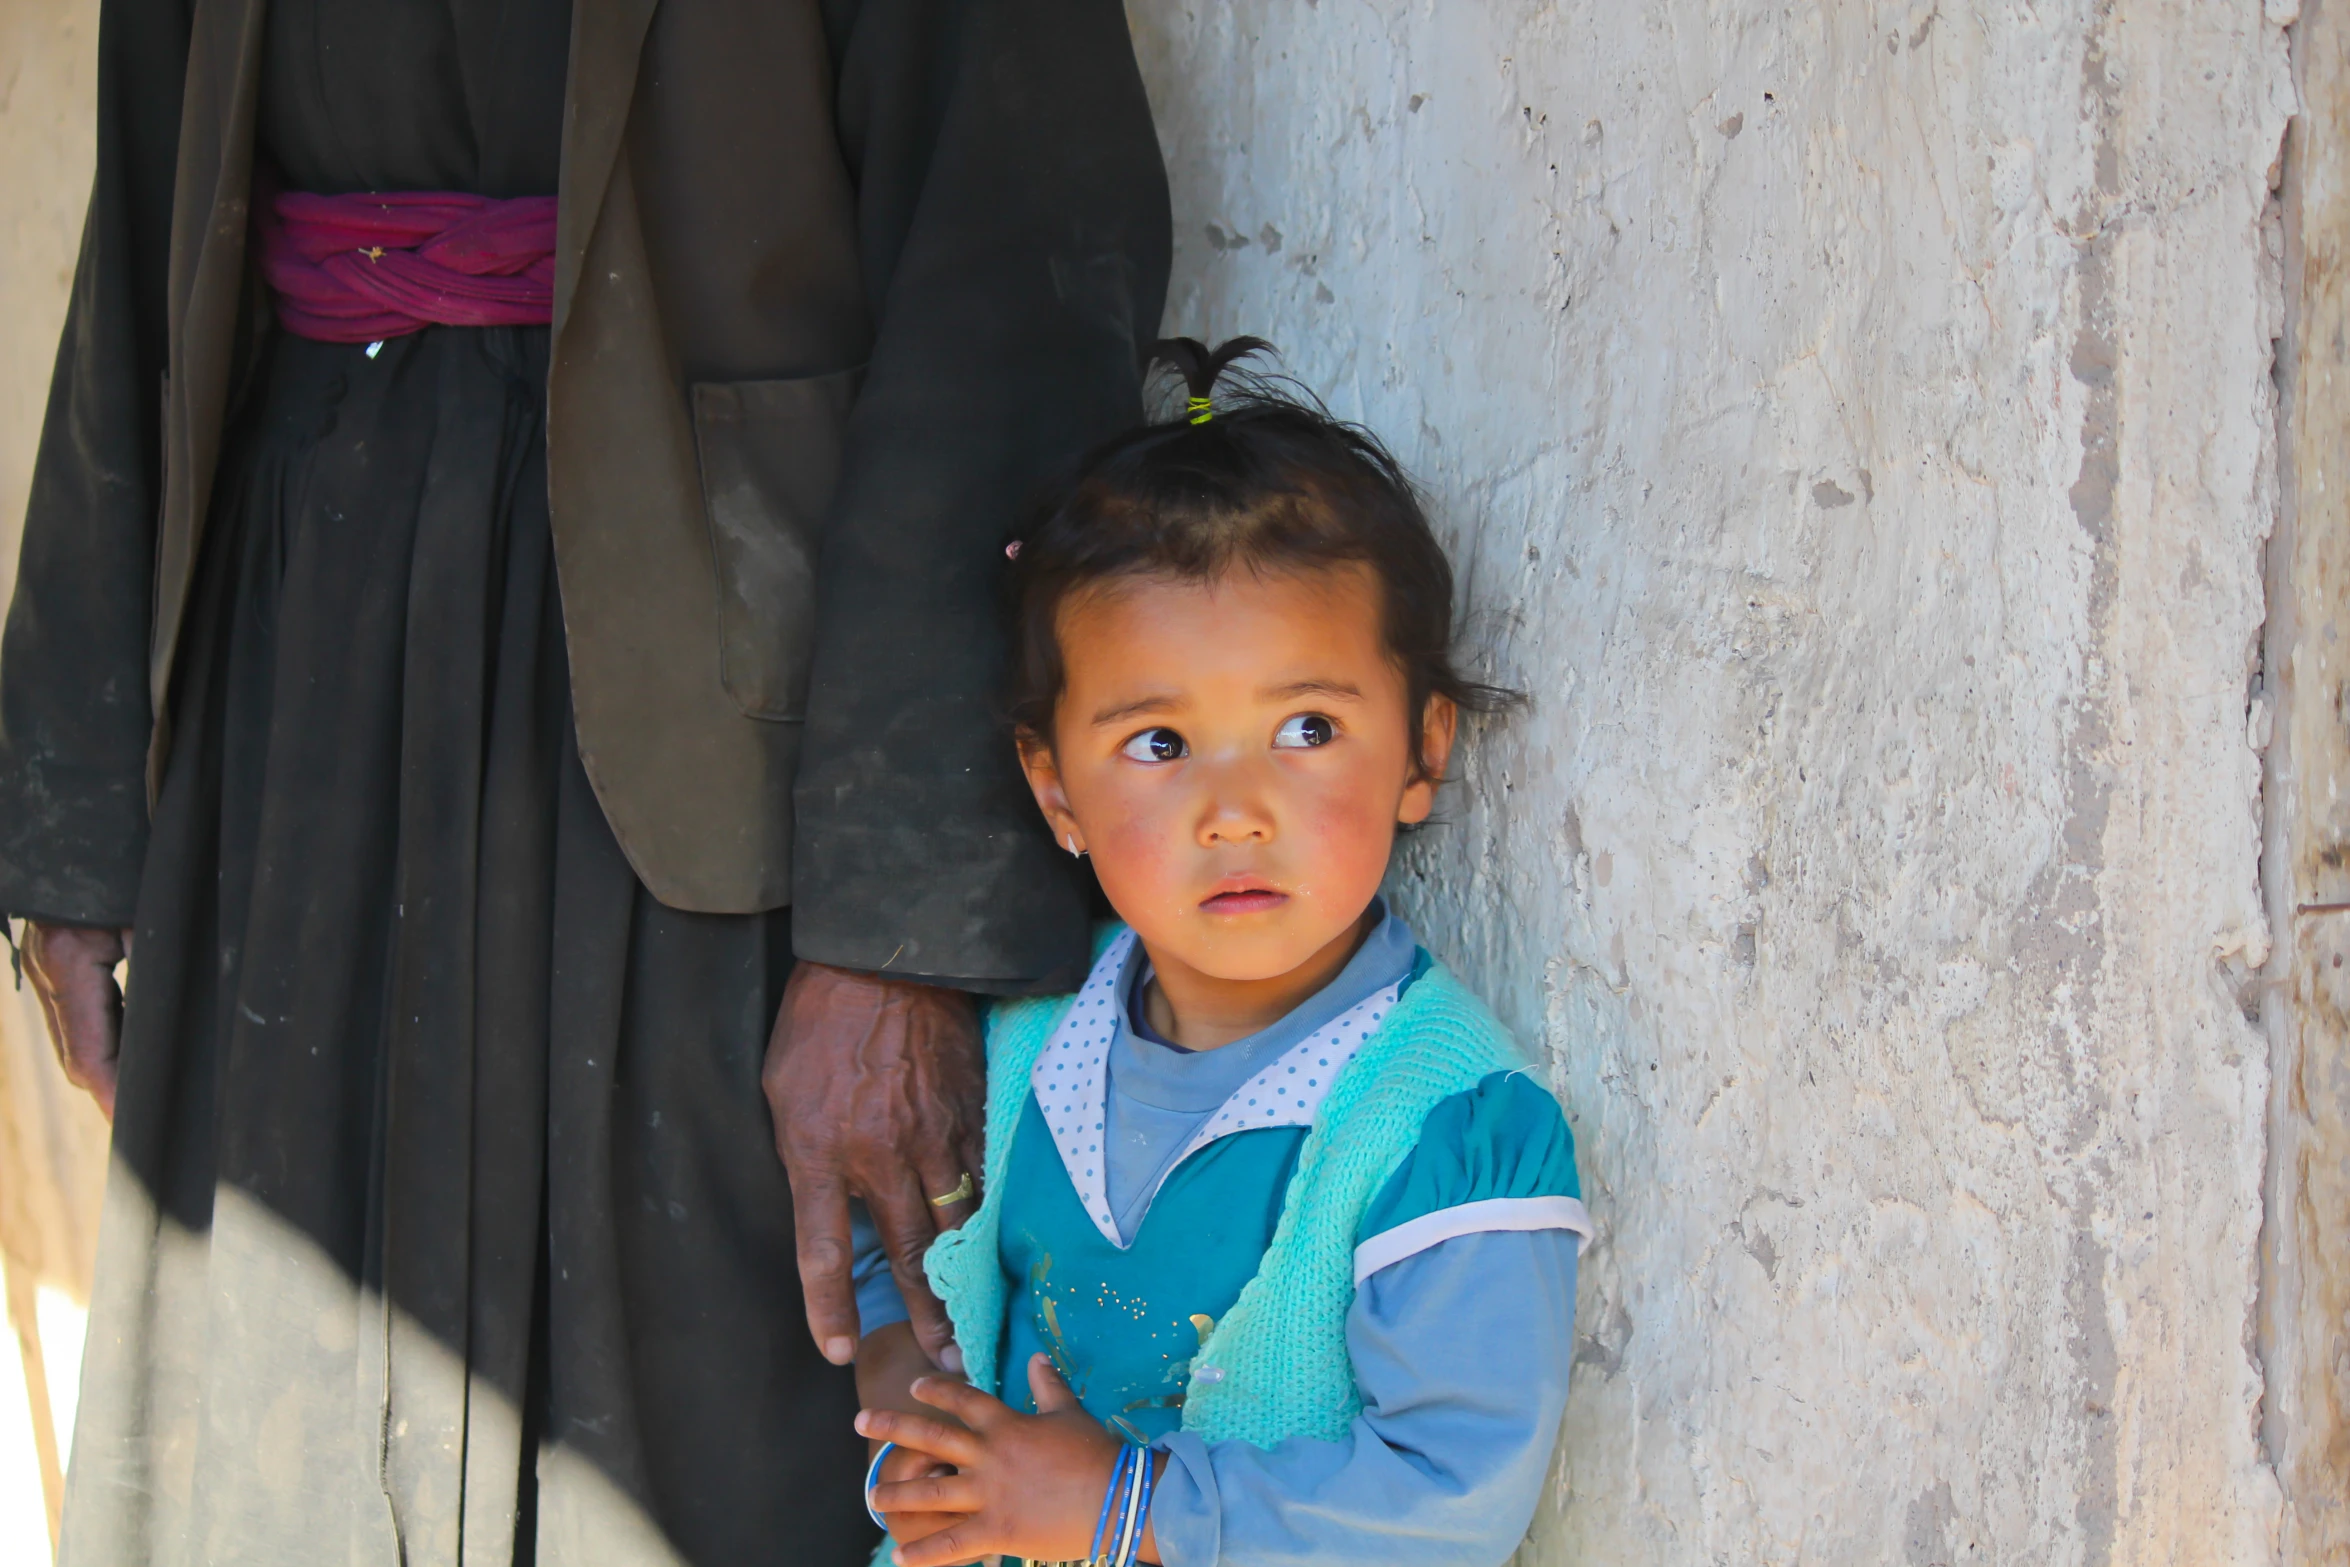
x=1854 y=425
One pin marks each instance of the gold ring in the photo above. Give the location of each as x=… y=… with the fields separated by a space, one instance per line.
x=961 y=1193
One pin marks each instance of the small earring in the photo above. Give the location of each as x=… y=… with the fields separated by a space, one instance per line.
x=1070 y=843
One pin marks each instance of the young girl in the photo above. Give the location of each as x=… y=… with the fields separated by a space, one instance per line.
x=1276 y=1257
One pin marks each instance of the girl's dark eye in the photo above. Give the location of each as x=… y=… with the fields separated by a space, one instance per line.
x=1156 y=745
x=1303 y=731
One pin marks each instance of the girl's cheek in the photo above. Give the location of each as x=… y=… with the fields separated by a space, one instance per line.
x=1350 y=833
x=1134 y=848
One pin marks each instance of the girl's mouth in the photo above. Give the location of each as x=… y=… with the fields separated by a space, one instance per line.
x=1252 y=900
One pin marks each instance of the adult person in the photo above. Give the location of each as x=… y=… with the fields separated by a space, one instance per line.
x=466 y=728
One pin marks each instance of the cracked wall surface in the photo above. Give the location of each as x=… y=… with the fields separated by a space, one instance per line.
x=1855 y=427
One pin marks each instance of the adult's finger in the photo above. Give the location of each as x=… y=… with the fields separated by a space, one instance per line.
x=947 y=1493
x=971 y=1151
x=938 y=1438
x=72 y=971
x=90 y=1017
x=944 y=1174
x=820 y=1220
x=903 y=1216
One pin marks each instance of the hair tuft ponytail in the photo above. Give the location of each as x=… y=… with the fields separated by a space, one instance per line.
x=1202 y=369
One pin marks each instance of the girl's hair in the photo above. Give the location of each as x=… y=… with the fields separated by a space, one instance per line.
x=1253 y=475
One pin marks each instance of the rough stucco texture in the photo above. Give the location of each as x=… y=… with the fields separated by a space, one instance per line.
x=1855 y=430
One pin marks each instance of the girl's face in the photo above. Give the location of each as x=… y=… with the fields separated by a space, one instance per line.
x=1235 y=755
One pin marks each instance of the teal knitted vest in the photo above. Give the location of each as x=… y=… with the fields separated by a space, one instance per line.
x=1276 y=1366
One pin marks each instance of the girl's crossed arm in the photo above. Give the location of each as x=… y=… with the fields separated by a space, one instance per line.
x=1024 y=1485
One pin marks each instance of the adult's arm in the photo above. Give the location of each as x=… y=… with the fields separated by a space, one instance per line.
x=1014 y=231
x=876 y=1089
x=74 y=714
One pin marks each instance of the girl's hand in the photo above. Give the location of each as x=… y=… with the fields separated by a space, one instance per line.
x=889 y=1362
x=909 y=1463
x=1024 y=1485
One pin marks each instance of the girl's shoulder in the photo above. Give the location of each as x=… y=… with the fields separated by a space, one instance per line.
x=1503 y=1140
x=1441 y=1017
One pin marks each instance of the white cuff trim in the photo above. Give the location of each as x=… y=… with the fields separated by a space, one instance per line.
x=1414 y=1236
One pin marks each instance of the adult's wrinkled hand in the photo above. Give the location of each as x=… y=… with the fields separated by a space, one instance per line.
x=72 y=972
x=877 y=1087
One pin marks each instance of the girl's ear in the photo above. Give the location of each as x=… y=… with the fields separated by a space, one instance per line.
x=1044 y=781
x=1439 y=722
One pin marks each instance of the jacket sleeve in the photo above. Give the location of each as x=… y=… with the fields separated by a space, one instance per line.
x=1014 y=228
x=74 y=712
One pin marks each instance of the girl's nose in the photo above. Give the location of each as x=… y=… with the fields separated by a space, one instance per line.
x=1237 y=810
x=1230 y=827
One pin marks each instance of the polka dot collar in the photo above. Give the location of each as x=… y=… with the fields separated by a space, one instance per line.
x=1071 y=1080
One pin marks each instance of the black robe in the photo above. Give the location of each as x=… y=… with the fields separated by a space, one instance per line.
x=446 y=1224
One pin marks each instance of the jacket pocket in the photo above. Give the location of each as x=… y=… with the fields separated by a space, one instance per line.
x=770 y=456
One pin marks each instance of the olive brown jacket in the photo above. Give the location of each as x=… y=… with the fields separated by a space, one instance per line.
x=838 y=283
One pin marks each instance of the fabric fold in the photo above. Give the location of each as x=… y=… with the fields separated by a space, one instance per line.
x=363 y=268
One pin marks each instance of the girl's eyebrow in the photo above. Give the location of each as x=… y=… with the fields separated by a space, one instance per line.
x=1315 y=688
x=1165 y=703
x=1134 y=709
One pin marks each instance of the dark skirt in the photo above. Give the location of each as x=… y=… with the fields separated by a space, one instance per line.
x=446 y=1223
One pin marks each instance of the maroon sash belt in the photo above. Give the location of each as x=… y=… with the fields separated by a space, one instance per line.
x=357 y=269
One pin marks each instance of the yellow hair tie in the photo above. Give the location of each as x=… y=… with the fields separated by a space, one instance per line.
x=1201 y=409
